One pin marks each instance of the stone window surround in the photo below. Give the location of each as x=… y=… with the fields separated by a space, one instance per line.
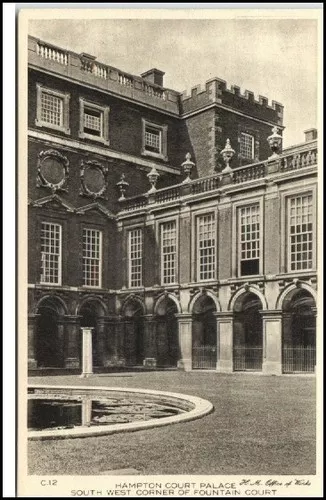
x=195 y=214
x=285 y=194
x=104 y=111
x=158 y=230
x=65 y=96
x=129 y=232
x=59 y=255
x=236 y=205
x=100 y=258
x=163 y=129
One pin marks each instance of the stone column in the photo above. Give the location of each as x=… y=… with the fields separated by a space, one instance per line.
x=272 y=342
x=287 y=329
x=32 y=324
x=129 y=341
x=150 y=341
x=120 y=341
x=61 y=339
x=185 y=341
x=87 y=355
x=102 y=346
x=185 y=263
x=72 y=346
x=224 y=342
x=86 y=412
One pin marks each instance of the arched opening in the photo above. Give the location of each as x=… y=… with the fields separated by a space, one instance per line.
x=204 y=334
x=134 y=345
x=50 y=334
x=299 y=332
x=91 y=313
x=167 y=341
x=247 y=333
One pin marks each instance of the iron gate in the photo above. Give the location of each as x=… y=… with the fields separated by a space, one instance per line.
x=247 y=358
x=204 y=357
x=299 y=359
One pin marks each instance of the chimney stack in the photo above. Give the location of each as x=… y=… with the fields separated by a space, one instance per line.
x=154 y=76
x=310 y=134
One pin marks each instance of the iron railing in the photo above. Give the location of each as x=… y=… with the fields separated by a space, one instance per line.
x=204 y=357
x=247 y=358
x=299 y=359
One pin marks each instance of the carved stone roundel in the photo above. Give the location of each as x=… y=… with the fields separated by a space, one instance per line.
x=52 y=170
x=94 y=179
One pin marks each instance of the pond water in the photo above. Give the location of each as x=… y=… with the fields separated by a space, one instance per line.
x=45 y=412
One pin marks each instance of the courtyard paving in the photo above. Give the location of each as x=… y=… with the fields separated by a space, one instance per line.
x=260 y=425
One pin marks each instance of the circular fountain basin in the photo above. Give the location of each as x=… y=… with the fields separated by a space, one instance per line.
x=58 y=412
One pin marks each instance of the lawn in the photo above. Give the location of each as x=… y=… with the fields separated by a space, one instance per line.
x=260 y=425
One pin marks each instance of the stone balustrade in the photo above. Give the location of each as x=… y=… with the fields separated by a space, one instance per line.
x=307 y=156
x=51 y=52
x=86 y=67
x=134 y=203
x=302 y=159
x=205 y=184
x=249 y=172
x=168 y=194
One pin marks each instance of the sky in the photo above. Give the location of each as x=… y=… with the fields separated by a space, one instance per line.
x=276 y=58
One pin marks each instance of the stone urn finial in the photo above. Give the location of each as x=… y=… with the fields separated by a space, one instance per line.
x=153 y=176
x=275 y=142
x=187 y=167
x=122 y=185
x=227 y=154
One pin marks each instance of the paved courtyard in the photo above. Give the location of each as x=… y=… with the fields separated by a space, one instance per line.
x=260 y=425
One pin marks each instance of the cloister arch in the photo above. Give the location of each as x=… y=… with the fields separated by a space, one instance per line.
x=247 y=330
x=132 y=312
x=204 y=331
x=290 y=290
x=99 y=304
x=207 y=293
x=49 y=338
x=298 y=329
x=244 y=289
x=161 y=300
x=167 y=331
x=92 y=310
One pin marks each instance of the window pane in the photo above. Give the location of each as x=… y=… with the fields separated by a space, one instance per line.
x=247 y=146
x=93 y=122
x=299 y=210
x=135 y=258
x=206 y=246
x=153 y=139
x=51 y=109
x=92 y=257
x=249 y=243
x=168 y=252
x=50 y=253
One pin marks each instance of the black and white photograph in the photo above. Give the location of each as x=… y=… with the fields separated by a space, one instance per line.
x=168 y=253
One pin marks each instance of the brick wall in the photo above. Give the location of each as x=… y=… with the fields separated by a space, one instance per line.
x=72 y=261
x=125 y=119
x=205 y=135
x=198 y=134
x=135 y=175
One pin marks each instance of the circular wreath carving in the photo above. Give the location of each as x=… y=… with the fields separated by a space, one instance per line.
x=52 y=170
x=93 y=179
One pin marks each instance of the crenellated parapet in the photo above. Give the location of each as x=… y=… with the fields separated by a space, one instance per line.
x=217 y=92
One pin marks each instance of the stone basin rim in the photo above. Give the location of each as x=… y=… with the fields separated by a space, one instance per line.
x=201 y=408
